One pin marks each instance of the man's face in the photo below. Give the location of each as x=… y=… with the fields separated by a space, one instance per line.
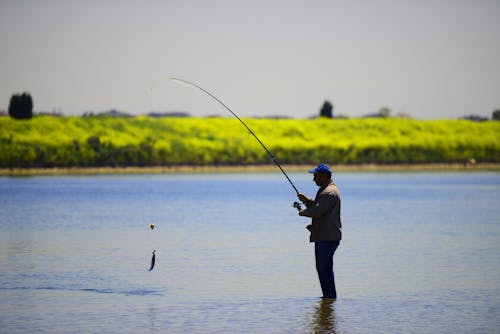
x=321 y=179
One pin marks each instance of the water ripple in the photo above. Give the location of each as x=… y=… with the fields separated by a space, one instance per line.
x=132 y=292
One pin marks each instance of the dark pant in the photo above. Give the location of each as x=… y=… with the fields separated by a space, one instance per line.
x=324 y=251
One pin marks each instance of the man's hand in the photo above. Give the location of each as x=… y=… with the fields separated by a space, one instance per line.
x=304 y=199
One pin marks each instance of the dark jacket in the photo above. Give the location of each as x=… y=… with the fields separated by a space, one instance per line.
x=325 y=214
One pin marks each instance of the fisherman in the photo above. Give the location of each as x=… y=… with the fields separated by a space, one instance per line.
x=326 y=227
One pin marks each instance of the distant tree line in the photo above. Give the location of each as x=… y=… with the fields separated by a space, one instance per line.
x=21 y=107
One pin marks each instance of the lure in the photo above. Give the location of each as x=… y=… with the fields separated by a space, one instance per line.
x=152 y=261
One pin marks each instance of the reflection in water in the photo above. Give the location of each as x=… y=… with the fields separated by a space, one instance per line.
x=324 y=319
x=152 y=319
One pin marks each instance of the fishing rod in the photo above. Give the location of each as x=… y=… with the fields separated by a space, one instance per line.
x=193 y=85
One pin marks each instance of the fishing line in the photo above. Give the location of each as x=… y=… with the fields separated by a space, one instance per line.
x=153 y=260
x=193 y=85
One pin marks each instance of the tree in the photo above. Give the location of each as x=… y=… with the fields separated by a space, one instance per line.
x=326 y=110
x=21 y=106
x=384 y=112
x=475 y=118
x=496 y=115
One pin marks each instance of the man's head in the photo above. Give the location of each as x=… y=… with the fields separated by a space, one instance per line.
x=322 y=174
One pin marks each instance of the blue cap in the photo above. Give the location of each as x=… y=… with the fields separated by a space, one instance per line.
x=322 y=168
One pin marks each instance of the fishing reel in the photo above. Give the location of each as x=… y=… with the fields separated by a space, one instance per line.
x=299 y=208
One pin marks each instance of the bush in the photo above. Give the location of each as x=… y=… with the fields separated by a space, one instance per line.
x=326 y=110
x=496 y=115
x=21 y=106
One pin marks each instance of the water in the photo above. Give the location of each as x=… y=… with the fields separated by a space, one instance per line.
x=421 y=254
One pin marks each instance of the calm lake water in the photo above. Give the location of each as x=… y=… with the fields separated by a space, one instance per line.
x=421 y=254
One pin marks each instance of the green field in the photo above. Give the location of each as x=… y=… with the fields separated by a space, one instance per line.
x=46 y=141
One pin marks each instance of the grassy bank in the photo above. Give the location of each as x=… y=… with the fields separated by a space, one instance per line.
x=48 y=142
x=56 y=171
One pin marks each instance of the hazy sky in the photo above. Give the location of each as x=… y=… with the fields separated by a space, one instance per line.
x=426 y=58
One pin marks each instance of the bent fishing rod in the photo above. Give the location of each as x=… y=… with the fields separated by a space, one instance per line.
x=193 y=85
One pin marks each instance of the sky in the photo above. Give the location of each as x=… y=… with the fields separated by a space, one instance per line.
x=429 y=59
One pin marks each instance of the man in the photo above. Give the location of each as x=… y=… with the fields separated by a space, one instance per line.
x=326 y=227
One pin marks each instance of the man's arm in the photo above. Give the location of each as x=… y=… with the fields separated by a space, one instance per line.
x=318 y=209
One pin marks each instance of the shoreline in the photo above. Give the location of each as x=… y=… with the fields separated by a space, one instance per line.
x=186 y=169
